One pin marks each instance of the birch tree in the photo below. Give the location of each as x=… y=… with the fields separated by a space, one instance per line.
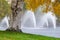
x=17 y=12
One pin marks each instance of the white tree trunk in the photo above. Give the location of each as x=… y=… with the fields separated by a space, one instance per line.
x=17 y=11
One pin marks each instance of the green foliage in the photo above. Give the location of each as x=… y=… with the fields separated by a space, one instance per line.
x=4 y=8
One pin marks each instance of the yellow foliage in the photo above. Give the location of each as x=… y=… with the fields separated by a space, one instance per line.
x=33 y=4
x=56 y=8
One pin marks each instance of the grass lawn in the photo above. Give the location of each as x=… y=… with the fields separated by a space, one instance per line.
x=10 y=35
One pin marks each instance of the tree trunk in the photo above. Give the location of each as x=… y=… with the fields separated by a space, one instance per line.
x=17 y=12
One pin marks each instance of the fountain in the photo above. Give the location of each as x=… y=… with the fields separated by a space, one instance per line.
x=52 y=18
x=29 y=19
x=4 y=24
x=48 y=17
x=39 y=19
x=39 y=14
x=53 y=32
